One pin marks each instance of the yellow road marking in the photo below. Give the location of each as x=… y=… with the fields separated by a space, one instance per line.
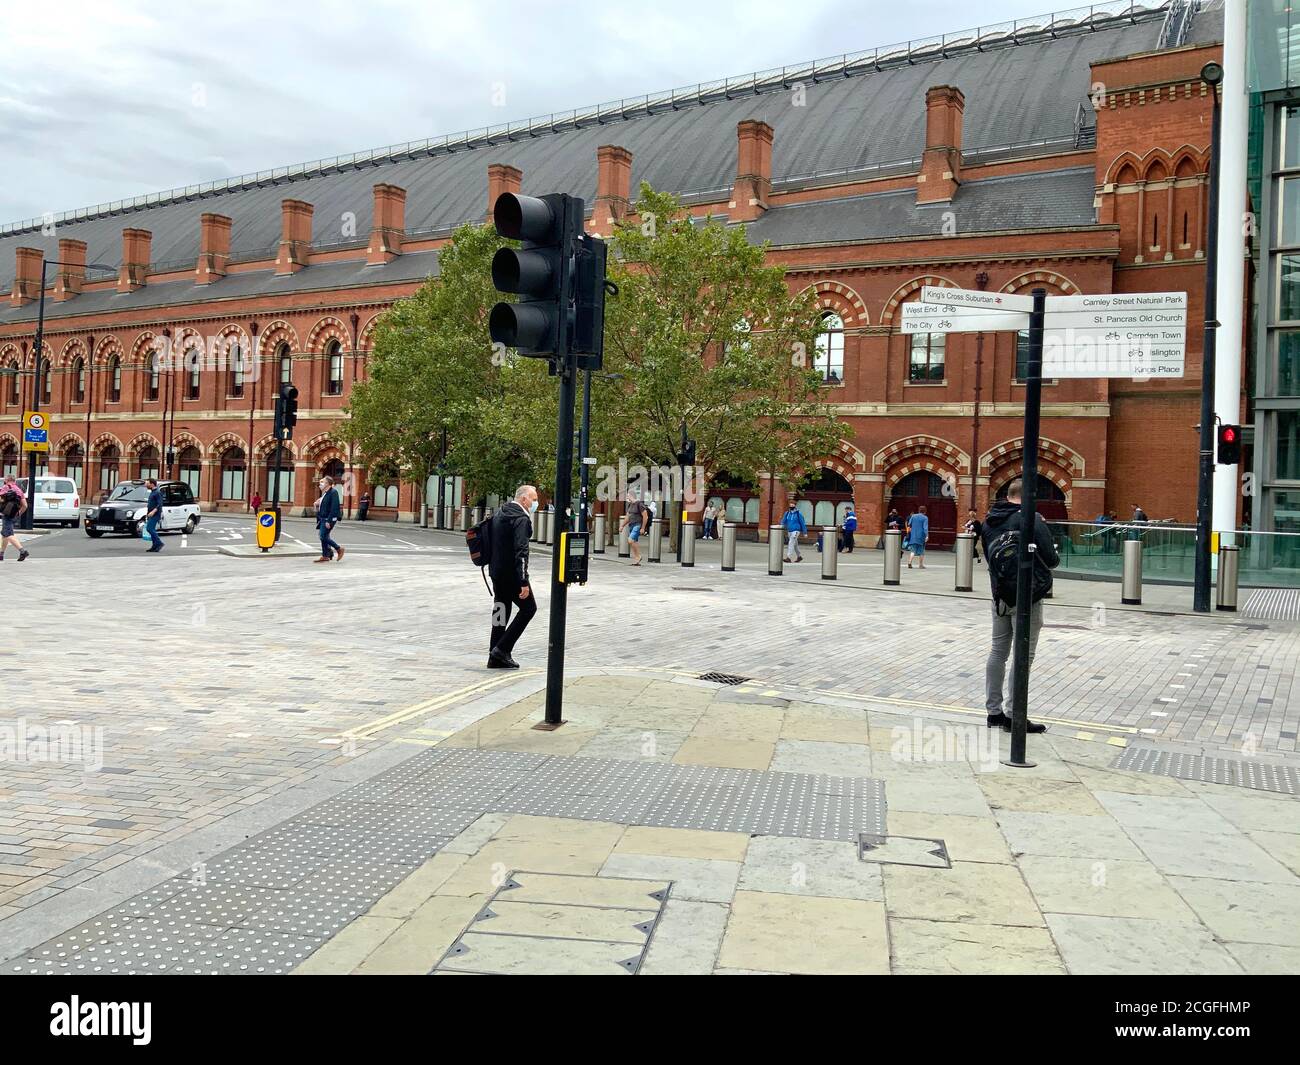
x=430 y=706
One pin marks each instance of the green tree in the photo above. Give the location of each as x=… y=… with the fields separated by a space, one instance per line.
x=703 y=331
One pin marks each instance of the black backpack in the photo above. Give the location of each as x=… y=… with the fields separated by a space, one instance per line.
x=479 y=541
x=1003 y=557
x=10 y=505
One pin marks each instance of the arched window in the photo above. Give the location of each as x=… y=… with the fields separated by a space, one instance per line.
x=286 y=474
x=333 y=469
x=47 y=382
x=830 y=349
x=9 y=461
x=153 y=377
x=335 y=353
x=232 y=473
x=925 y=363
x=108 y=463
x=74 y=463
x=235 y=371
x=285 y=360
x=194 y=362
x=385 y=494
x=190 y=466
x=114 y=383
x=148 y=460
x=14 y=376
x=79 y=381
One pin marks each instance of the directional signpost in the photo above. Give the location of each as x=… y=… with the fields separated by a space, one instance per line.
x=1140 y=335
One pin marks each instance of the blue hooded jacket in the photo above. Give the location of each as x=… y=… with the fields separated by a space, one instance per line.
x=793 y=521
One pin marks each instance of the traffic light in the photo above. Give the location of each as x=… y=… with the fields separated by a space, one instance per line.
x=539 y=273
x=1229 y=445
x=286 y=412
x=588 y=340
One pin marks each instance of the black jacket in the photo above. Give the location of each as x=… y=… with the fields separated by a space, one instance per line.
x=511 y=528
x=1003 y=516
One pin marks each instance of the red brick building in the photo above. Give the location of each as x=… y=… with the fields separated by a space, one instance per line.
x=1068 y=153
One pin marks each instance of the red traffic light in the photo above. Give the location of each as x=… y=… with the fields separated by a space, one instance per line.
x=1229 y=434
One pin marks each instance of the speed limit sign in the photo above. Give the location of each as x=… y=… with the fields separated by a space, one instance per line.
x=36 y=431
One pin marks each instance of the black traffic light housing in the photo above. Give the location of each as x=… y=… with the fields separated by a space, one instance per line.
x=1229 y=450
x=539 y=272
x=286 y=412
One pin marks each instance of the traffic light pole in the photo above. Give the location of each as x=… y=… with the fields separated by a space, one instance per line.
x=1205 y=475
x=584 y=448
x=27 y=522
x=1025 y=569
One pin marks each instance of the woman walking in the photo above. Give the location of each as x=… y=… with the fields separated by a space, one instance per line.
x=918 y=532
x=12 y=504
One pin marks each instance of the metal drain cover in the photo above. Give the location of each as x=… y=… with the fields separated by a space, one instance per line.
x=722 y=678
x=903 y=850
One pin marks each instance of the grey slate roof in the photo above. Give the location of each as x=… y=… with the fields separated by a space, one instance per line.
x=1022 y=201
x=1014 y=94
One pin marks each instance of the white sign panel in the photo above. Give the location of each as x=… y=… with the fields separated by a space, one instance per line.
x=965 y=297
x=1117 y=301
x=931 y=318
x=1141 y=353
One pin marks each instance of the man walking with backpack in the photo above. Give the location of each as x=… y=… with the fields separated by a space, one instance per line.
x=511 y=529
x=12 y=504
x=1000 y=535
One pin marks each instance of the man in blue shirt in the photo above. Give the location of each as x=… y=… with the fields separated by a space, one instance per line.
x=153 y=515
x=850 y=527
x=794 y=525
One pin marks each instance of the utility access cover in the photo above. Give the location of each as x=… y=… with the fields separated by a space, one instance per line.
x=904 y=850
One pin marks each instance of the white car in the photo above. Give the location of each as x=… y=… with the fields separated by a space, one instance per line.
x=57 y=499
x=123 y=511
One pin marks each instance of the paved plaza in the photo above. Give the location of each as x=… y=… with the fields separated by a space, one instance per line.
x=279 y=766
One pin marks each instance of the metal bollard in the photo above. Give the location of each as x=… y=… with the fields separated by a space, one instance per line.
x=552 y=519
x=775 y=550
x=624 y=550
x=656 y=540
x=1229 y=567
x=535 y=534
x=598 y=534
x=965 y=552
x=687 y=534
x=728 y=548
x=830 y=552
x=1131 y=580
x=893 y=556
x=476 y=515
x=447 y=512
x=462 y=518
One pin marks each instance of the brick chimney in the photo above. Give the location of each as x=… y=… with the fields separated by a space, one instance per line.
x=753 y=170
x=133 y=272
x=295 y=237
x=502 y=179
x=27 y=276
x=71 y=272
x=613 y=187
x=941 y=164
x=388 y=228
x=214 y=248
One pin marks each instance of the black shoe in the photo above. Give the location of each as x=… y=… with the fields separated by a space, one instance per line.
x=999 y=720
x=1031 y=727
x=497 y=660
x=22 y=555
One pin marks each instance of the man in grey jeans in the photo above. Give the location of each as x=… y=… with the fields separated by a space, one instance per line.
x=1003 y=517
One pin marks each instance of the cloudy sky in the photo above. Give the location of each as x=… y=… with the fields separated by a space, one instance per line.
x=100 y=101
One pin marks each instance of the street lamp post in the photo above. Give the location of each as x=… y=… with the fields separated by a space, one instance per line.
x=30 y=512
x=1211 y=75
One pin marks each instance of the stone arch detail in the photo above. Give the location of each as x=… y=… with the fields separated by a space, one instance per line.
x=106 y=349
x=184 y=440
x=914 y=449
x=104 y=440
x=1050 y=450
x=267 y=444
x=66 y=441
x=141 y=441
x=844 y=301
x=319 y=444
x=225 y=441
x=276 y=333
x=1033 y=278
x=366 y=341
x=903 y=291
x=74 y=347
x=327 y=329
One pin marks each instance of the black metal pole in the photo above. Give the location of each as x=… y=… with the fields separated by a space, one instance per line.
x=1205 y=476
x=1025 y=571
x=29 y=514
x=566 y=370
x=442 y=481
x=275 y=464
x=584 y=447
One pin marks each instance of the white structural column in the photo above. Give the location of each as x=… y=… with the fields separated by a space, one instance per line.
x=1231 y=270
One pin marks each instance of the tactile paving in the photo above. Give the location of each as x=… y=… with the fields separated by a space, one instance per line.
x=1259 y=776
x=265 y=904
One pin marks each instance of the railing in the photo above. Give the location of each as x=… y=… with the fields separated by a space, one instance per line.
x=1088 y=19
x=1267 y=559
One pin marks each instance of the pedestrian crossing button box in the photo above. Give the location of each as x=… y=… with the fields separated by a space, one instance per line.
x=573 y=557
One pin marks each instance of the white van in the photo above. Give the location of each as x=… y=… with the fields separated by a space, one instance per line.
x=57 y=500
